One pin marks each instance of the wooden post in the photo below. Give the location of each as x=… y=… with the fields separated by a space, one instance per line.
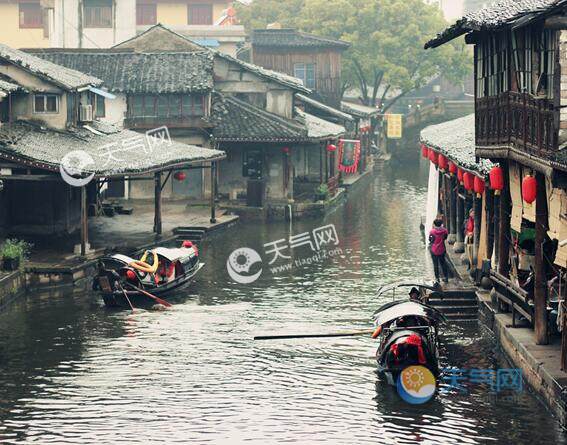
x=321 y=150
x=504 y=231
x=157 y=204
x=84 y=221
x=477 y=206
x=496 y=229
x=452 y=210
x=540 y=283
x=460 y=243
x=489 y=205
x=213 y=192
x=446 y=201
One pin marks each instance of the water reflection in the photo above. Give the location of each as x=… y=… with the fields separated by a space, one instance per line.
x=72 y=371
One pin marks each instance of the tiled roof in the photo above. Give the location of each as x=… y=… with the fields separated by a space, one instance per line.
x=321 y=106
x=8 y=86
x=239 y=121
x=456 y=140
x=66 y=78
x=290 y=38
x=358 y=110
x=130 y=72
x=318 y=128
x=112 y=150
x=493 y=16
x=274 y=76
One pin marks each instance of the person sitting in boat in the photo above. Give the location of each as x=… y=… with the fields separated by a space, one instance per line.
x=166 y=271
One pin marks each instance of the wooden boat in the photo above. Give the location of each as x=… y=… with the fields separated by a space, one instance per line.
x=407 y=331
x=159 y=272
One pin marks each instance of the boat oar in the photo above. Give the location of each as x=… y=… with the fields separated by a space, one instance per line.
x=330 y=334
x=126 y=296
x=147 y=294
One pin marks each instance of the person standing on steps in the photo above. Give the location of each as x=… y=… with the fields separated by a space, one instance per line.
x=437 y=237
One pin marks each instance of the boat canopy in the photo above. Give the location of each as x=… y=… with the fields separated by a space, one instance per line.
x=396 y=309
x=175 y=254
x=392 y=287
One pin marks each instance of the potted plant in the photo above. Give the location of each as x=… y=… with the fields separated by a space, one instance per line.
x=321 y=193
x=12 y=252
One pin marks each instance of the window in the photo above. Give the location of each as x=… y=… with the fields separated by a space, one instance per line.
x=305 y=72
x=31 y=15
x=146 y=14
x=97 y=13
x=46 y=103
x=167 y=106
x=100 y=106
x=200 y=14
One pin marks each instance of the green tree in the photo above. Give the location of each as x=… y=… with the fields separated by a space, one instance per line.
x=386 y=58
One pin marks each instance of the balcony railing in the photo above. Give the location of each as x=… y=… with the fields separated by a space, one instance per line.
x=517 y=119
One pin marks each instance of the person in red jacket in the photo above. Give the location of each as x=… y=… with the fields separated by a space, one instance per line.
x=437 y=237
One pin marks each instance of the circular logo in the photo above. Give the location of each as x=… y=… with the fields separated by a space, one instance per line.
x=416 y=384
x=73 y=168
x=239 y=264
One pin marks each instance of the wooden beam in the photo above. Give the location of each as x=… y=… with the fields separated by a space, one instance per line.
x=556 y=22
x=496 y=229
x=157 y=204
x=453 y=228
x=31 y=178
x=540 y=283
x=504 y=231
x=213 y=192
x=84 y=222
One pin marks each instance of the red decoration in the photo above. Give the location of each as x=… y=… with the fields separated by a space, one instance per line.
x=187 y=244
x=424 y=151
x=468 y=179
x=529 y=189
x=443 y=163
x=496 y=177
x=478 y=186
x=131 y=275
x=460 y=175
x=453 y=168
x=180 y=176
x=286 y=150
x=432 y=156
x=331 y=148
x=349 y=155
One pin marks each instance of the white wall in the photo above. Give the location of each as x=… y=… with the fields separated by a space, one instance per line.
x=115 y=110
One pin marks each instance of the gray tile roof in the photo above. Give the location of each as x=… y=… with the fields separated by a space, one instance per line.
x=274 y=76
x=130 y=72
x=359 y=110
x=66 y=78
x=456 y=140
x=493 y=16
x=114 y=151
x=291 y=38
x=318 y=128
x=8 y=86
x=239 y=121
x=321 y=106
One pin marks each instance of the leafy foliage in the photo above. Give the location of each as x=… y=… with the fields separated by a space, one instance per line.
x=14 y=248
x=387 y=38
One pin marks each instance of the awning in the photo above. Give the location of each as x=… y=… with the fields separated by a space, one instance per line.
x=102 y=93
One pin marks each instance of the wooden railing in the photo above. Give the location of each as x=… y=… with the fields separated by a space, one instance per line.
x=522 y=120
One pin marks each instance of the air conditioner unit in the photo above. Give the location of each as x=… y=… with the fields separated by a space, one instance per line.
x=86 y=113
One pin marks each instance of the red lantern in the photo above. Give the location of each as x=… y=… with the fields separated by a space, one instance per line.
x=443 y=163
x=424 y=151
x=460 y=174
x=285 y=150
x=180 y=176
x=432 y=156
x=453 y=168
x=478 y=186
x=496 y=177
x=131 y=275
x=529 y=189
x=468 y=179
x=331 y=148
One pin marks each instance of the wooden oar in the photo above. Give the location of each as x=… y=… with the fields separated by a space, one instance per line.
x=331 y=334
x=147 y=294
x=126 y=296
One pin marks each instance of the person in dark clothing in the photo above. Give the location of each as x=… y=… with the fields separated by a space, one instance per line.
x=437 y=237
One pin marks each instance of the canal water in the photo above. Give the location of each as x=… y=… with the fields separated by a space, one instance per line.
x=73 y=372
